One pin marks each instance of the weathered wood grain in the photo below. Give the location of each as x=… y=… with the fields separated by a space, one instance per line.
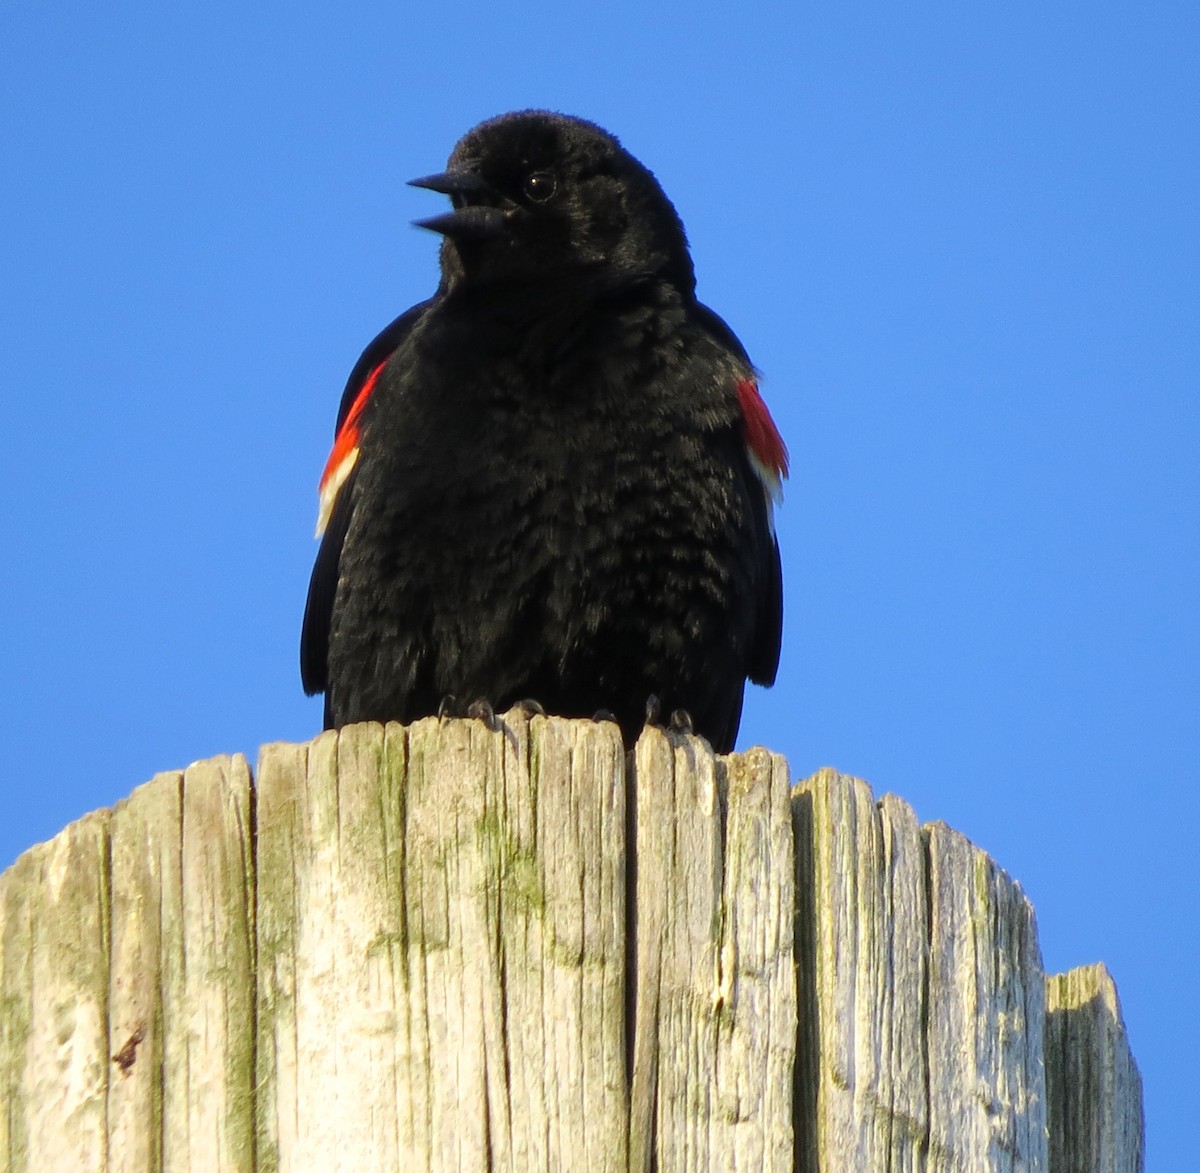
x=922 y=993
x=146 y=981
x=986 y=1015
x=54 y=1002
x=1093 y=1088
x=715 y=1019
x=329 y=829
x=563 y=940
x=450 y=946
x=212 y=1071
x=442 y=958
x=180 y=988
x=863 y=957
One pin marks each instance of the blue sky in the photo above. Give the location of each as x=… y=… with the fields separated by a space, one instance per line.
x=960 y=243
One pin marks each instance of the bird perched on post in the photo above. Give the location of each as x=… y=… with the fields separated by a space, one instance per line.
x=554 y=479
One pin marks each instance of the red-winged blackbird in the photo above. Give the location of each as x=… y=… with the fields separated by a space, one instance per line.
x=554 y=479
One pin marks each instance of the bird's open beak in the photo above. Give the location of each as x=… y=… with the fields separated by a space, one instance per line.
x=475 y=216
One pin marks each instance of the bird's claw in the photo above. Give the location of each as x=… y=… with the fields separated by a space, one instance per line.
x=603 y=715
x=448 y=707
x=681 y=722
x=530 y=707
x=653 y=709
x=481 y=710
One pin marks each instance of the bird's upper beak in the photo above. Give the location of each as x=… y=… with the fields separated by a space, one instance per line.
x=476 y=214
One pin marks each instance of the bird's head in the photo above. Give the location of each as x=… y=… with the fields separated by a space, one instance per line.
x=536 y=195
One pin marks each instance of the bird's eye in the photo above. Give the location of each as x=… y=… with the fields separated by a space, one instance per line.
x=540 y=186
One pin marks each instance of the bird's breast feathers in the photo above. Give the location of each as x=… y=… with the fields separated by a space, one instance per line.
x=765 y=447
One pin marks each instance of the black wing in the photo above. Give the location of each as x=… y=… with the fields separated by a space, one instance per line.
x=322 y=586
x=379 y=348
x=719 y=329
x=763 y=661
x=764 y=654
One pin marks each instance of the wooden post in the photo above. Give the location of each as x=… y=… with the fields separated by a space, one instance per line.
x=1093 y=1089
x=447 y=948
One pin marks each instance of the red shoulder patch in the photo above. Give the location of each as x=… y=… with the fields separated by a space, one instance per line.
x=768 y=452
x=345 y=451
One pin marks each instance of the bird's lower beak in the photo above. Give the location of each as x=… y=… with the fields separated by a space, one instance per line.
x=474 y=222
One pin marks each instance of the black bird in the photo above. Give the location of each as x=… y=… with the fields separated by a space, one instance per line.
x=554 y=479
